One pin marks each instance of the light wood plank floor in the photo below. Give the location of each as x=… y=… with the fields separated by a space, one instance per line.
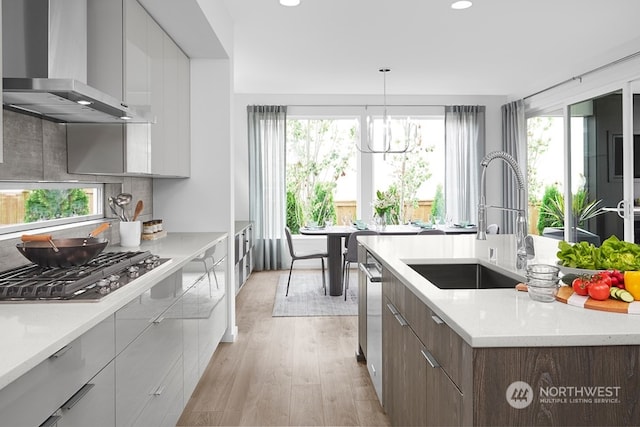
x=284 y=371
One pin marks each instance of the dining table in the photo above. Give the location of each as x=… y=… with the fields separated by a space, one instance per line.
x=335 y=246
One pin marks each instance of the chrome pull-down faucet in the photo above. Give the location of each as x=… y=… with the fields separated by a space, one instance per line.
x=521 y=220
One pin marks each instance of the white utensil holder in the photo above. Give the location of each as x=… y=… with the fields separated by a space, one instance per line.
x=130 y=232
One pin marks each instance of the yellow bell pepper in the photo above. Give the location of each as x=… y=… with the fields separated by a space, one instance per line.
x=632 y=283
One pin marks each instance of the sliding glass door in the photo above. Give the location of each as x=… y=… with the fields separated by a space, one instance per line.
x=596 y=149
x=591 y=196
x=615 y=168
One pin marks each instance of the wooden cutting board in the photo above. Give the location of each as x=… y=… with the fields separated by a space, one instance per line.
x=568 y=296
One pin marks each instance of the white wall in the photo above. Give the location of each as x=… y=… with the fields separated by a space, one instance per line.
x=493 y=130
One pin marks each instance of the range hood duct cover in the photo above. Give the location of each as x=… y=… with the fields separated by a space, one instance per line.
x=44 y=57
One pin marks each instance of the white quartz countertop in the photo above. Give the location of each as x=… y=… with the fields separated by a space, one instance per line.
x=31 y=332
x=498 y=317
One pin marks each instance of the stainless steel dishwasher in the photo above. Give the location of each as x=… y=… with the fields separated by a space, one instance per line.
x=373 y=271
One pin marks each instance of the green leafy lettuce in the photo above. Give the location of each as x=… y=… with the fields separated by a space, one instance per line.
x=612 y=254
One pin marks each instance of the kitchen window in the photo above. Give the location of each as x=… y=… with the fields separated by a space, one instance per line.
x=331 y=176
x=321 y=169
x=417 y=175
x=28 y=206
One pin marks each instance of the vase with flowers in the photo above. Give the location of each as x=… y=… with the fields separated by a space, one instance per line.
x=386 y=207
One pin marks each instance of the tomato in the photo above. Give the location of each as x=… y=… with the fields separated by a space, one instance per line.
x=599 y=286
x=605 y=278
x=581 y=285
x=632 y=283
x=598 y=289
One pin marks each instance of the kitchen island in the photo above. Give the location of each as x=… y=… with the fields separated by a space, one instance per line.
x=43 y=339
x=494 y=356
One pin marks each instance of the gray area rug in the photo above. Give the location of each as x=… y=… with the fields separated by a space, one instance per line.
x=307 y=298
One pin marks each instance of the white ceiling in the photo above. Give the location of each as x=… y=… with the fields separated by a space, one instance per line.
x=497 y=47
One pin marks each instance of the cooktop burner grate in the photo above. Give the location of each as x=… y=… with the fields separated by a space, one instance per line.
x=105 y=273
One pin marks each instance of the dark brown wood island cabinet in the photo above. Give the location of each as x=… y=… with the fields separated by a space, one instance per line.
x=432 y=377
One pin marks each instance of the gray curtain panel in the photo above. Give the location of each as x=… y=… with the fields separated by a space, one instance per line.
x=514 y=136
x=267 y=195
x=464 y=148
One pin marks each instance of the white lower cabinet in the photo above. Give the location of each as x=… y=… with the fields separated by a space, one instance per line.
x=94 y=404
x=210 y=332
x=138 y=314
x=205 y=316
x=190 y=343
x=165 y=404
x=34 y=397
x=136 y=368
x=143 y=366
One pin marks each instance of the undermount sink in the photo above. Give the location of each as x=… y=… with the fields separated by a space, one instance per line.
x=464 y=276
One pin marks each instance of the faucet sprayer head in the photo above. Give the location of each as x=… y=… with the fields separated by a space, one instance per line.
x=509 y=160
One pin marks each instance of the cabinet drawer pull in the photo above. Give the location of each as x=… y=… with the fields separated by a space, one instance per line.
x=401 y=320
x=392 y=309
x=373 y=369
x=430 y=359
x=78 y=396
x=436 y=319
x=158 y=391
x=157 y=320
x=60 y=352
x=397 y=315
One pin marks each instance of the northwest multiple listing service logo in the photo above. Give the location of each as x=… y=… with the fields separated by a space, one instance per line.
x=520 y=395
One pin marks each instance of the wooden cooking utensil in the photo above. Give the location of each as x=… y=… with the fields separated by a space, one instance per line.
x=138 y=210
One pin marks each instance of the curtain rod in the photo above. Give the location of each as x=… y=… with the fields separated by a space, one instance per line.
x=365 y=105
x=579 y=77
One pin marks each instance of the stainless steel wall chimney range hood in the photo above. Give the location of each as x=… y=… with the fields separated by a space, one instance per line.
x=44 y=48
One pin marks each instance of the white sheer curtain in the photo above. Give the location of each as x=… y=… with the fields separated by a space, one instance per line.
x=514 y=138
x=464 y=147
x=267 y=202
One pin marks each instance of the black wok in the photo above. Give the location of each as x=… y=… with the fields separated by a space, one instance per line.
x=48 y=252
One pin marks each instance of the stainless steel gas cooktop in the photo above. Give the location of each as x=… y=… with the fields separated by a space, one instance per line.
x=104 y=274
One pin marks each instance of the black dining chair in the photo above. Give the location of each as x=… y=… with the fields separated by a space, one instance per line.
x=309 y=255
x=351 y=255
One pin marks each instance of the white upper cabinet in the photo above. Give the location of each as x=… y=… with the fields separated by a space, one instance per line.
x=171 y=133
x=137 y=58
x=157 y=78
x=131 y=57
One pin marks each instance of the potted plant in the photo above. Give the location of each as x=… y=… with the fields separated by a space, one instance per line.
x=552 y=209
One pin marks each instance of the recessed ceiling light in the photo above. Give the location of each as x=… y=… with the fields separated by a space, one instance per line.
x=84 y=102
x=461 y=4
x=289 y=2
